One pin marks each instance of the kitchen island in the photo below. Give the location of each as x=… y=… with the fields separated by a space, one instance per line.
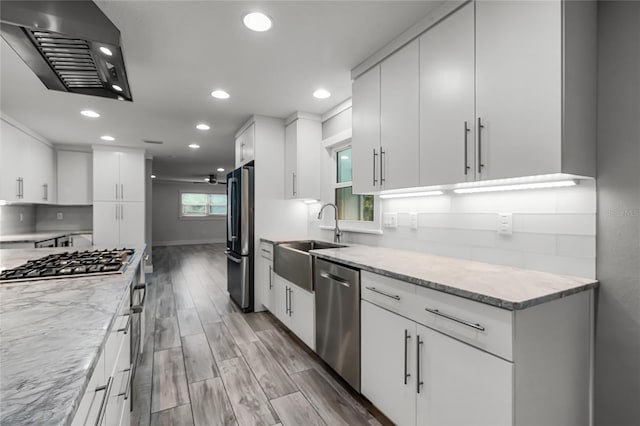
x=53 y=333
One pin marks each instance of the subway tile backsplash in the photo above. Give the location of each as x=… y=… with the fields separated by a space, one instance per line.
x=553 y=229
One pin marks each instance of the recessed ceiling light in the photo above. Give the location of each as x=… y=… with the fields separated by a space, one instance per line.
x=220 y=94
x=89 y=113
x=107 y=138
x=153 y=176
x=203 y=126
x=116 y=87
x=194 y=146
x=221 y=169
x=106 y=51
x=321 y=94
x=257 y=21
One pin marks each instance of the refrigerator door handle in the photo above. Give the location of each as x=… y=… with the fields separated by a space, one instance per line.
x=232 y=258
x=231 y=209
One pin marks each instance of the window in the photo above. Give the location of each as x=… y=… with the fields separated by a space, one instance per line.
x=350 y=207
x=202 y=205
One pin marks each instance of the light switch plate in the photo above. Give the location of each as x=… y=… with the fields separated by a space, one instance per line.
x=59 y=216
x=505 y=223
x=390 y=220
x=413 y=220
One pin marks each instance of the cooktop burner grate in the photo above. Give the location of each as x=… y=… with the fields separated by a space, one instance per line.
x=71 y=264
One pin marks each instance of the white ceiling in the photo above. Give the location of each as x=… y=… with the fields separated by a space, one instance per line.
x=177 y=52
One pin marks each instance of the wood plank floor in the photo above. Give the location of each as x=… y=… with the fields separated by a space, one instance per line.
x=206 y=363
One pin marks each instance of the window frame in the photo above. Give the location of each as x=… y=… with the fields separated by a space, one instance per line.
x=207 y=215
x=369 y=227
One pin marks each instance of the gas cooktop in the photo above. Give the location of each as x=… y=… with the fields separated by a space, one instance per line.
x=71 y=264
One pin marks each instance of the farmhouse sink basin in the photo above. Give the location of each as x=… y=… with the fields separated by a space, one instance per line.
x=293 y=262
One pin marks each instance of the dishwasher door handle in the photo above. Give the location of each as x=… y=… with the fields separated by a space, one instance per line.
x=335 y=278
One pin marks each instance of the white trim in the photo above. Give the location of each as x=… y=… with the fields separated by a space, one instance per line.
x=338 y=139
x=354 y=230
x=187 y=242
x=299 y=115
x=116 y=148
x=24 y=129
x=336 y=110
x=435 y=15
x=255 y=118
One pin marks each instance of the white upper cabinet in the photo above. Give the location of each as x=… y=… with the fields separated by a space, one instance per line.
x=385 y=140
x=399 y=123
x=118 y=175
x=506 y=89
x=447 y=89
x=245 y=146
x=519 y=88
x=27 y=173
x=303 y=135
x=366 y=132
x=75 y=178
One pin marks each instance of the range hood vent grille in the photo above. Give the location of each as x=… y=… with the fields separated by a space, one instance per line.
x=70 y=58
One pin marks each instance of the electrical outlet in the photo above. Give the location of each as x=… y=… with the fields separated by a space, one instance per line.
x=505 y=223
x=390 y=220
x=59 y=216
x=21 y=217
x=413 y=220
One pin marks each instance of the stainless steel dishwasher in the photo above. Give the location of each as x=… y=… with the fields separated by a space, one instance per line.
x=338 y=319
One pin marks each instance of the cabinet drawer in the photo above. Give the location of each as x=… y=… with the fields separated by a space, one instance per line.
x=386 y=292
x=483 y=326
x=266 y=250
x=95 y=397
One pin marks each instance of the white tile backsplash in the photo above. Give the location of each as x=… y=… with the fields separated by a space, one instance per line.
x=553 y=229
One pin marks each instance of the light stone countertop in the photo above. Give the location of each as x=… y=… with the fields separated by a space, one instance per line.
x=39 y=236
x=52 y=334
x=502 y=286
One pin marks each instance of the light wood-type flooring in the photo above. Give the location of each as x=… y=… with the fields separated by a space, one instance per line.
x=206 y=363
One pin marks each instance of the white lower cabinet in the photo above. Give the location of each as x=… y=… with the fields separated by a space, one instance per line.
x=106 y=399
x=461 y=385
x=431 y=358
x=385 y=360
x=295 y=308
x=263 y=279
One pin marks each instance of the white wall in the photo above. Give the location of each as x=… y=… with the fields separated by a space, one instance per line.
x=169 y=229
x=74 y=218
x=10 y=222
x=554 y=230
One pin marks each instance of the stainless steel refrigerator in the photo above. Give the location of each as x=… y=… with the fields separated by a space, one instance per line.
x=240 y=237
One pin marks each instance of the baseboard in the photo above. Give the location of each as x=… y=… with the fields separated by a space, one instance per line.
x=187 y=242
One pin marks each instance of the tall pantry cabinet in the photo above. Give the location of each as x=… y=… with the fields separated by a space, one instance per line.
x=118 y=197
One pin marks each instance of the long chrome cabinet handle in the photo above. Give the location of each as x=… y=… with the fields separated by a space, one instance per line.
x=117 y=191
x=270 y=284
x=375 y=290
x=103 y=405
x=466 y=145
x=290 y=301
x=122 y=191
x=293 y=184
x=382 y=178
x=419 y=381
x=458 y=320
x=480 y=127
x=375 y=154
x=122 y=211
x=336 y=279
x=407 y=336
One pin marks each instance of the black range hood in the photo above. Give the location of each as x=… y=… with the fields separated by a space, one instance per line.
x=70 y=45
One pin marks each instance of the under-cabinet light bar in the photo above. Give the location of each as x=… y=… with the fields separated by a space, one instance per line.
x=309 y=201
x=536 y=185
x=412 y=194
